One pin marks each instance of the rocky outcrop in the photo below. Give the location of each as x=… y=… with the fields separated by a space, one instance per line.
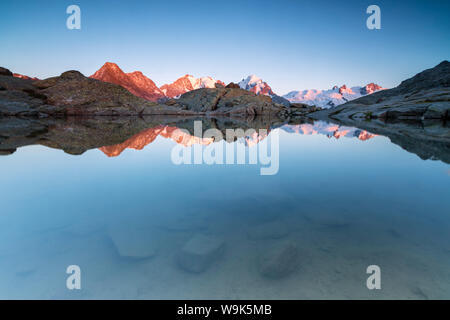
x=226 y=101
x=424 y=96
x=74 y=94
x=5 y=72
x=71 y=94
x=22 y=76
x=295 y=110
x=233 y=85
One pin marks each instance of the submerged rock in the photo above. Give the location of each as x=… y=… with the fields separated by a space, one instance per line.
x=278 y=261
x=135 y=241
x=200 y=252
x=270 y=230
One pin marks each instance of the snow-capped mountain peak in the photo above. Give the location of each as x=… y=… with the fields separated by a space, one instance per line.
x=332 y=97
x=188 y=83
x=256 y=85
x=135 y=82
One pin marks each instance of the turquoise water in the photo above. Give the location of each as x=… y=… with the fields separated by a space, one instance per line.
x=344 y=203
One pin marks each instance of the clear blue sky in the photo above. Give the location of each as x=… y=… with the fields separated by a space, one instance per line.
x=291 y=44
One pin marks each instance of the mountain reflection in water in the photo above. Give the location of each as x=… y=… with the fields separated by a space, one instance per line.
x=146 y=137
x=342 y=200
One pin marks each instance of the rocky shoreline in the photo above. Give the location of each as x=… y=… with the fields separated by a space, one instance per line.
x=73 y=94
x=75 y=113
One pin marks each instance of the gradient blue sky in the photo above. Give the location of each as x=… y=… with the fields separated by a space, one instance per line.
x=291 y=44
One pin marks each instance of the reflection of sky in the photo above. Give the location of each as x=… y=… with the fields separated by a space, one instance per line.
x=291 y=44
x=45 y=180
x=45 y=193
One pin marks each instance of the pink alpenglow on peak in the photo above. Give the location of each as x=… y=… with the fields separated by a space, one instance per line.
x=188 y=83
x=256 y=85
x=329 y=130
x=332 y=97
x=372 y=87
x=135 y=82
x=21 y=76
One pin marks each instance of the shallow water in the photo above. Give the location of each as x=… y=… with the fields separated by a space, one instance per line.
x=344 y=198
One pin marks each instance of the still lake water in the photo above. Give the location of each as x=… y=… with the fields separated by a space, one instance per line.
x=344 y=199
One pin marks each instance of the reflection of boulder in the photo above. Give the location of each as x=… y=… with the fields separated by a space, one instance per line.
x=74 y=94
x=200 y=252
x=278 y=261
x=233 y=85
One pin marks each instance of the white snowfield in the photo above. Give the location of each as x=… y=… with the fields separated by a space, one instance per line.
x=314 y=97
x=330 y=98
x=203 y=82
x=320 y=98
x=256 y=85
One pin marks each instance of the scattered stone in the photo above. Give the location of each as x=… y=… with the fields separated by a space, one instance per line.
x=270 y=230
x=200 y=252
x=278 y=261
x=135 y=241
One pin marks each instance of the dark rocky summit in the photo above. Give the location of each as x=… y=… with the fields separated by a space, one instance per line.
x=233 y=85
x=5 y=72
